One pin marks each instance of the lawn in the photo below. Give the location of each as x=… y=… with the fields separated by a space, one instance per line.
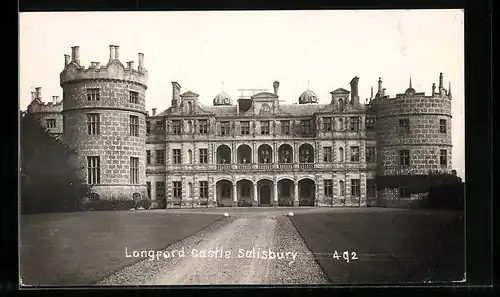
x=391 y=246
x=82 y=248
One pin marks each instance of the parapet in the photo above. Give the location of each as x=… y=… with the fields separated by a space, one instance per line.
x=113 y=70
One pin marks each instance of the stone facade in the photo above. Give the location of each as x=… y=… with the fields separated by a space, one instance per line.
x=255 y=152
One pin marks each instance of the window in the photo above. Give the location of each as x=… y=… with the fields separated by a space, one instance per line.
x=442 y=157
x=189 y=127
x=176 y=127
x=371 y=188
x=354 y=153
x=224 y=128
x=203 y=156
x=203 y=126
x=160 y=157
x=355 y=190
x=160 y=190
x=93 y=170
x=203 y=189
x=370 y=124
x=342 y=187
x=341 y=105
x=160 y=126
x=134 y=170
x=190 y=190
x=327 y=124
x=93 y=123
x=51 y=123
x=328 y=183
x=265 y=155
x=190 y=157
x=327 y=154
x=148 y=187
x=404 y=192
x=177 y=156
x=370 y=154
x=305 y=127
x=285 y=127
x=341 y=155
x=134 y=125
x=93 y=94
x=148 y=157
x=404 y=157
x=264 y=127
x=177 y=189
x=245 y=190
x=133 y=97
x=354 y=123
x=404 y=126
x=245 y=128
x=148 y=127
x=442 y=126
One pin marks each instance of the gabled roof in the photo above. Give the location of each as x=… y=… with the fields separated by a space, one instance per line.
x=340 y=91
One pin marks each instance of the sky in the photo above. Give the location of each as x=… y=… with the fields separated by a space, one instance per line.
x=210 y=51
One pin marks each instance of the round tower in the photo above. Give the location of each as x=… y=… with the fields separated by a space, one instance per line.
x=413 y=138
x=104 y=119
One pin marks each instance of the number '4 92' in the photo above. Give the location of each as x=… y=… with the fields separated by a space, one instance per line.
x=346 y=256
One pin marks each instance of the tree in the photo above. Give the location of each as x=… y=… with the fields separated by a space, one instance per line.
x=48 y=182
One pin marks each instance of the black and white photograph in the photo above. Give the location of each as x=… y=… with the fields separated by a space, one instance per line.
x=266 y=147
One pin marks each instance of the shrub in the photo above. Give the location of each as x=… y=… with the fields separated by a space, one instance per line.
x=146 y=203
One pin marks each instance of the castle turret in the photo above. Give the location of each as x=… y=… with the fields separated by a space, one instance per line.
x=105 y=118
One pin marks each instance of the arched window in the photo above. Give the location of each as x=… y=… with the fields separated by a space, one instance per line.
x=190 y=107
x=342 y=188
x=190 y=190
x=341 y=105
x=341 y=124
x=341 y=154
x=190 y=157
x=190 y=127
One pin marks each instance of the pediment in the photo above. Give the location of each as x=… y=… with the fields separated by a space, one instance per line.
x=264 y=95
x=189 y=94
x=340 y=91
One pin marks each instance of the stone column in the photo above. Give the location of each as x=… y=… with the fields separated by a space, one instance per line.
x=215 y=193
x=235 y=196
x=296 y=193
x=275 y=193
x=255 y=201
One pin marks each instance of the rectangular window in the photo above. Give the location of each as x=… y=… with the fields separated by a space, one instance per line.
x=203 y=189
x=404 y=192
x=148 y=157
x=93 y=94
x=355 y=188
x=160 y=190
x=442 y=126
x=93 y=170
x=148 y=127
x=203 y=126
x=371 y=188
x=306 y=127
x=264 y=127
x=328 y=187
x=203 y=156
x=404 y=157
x=177 y=189
x=443 y=158
x=148 y=188
x=134 y=170
x=370 y=124
x=370 y=154
x=354 y=153
x=134 y=125
x=93 y=123
x=245 y=128
x=51 y=123
x=327 y=154
x=285 y=127
x=160 y=126
x=176 y=156
x=224 y=128
x=354 y=123
x=327 y=124
x=404 y=126
x=160 y=157
x=133 y=97
x=176 y=127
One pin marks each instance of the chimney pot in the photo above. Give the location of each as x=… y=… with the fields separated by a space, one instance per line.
x=97 y=64
x=67 y=59
x=131 y=65
x=176 y=91
x=440 y=82
x=111 y=52
x=117 y=52
x=354 y=89
x=128 y=65
x=141 y=61
x=276 y=86
x=383 y=92
x=153 y=111
x=38 y=91
x=76 y=54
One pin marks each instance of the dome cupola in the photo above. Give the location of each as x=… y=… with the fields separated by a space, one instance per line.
x=223 y=98
x=410 y=91
x=308 y=96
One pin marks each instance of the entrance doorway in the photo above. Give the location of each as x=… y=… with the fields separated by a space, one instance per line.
x=265 y=195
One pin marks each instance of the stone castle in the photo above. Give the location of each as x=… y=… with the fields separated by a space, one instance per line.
x=256 y=151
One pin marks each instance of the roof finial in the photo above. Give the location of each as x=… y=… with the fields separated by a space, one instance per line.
x=449 y=89
x=410 y=82
x=308 y=85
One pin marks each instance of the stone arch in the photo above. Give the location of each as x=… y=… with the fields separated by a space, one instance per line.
x=190 y=127
x=244 y=190
x=224 y=192
x=341 y=125
x=285 y=177
x=341 y=104
x=245 y=178
x=265 y=190
x=223 y=153
x=190 y=156
x=265 y=153
x=286 y=191
x=285 y=153
x=307 y=191
x=244 y=153
x=264 y=177
x=222 y=178
x=190 y=107
x=306 y=153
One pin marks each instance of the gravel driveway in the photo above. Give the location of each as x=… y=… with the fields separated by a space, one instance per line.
x=246 y=248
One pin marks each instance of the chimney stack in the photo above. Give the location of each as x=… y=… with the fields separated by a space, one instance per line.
x=354 y=89
x=55 y=99
x=141 y=61
x=38 y=91
x=128 y=65
x=111 y=52
x=131 y=65
x=33 y=95
x=176 y=92
x=153 y=111
x=97 y=64
x=276 y=85
x=433 y=89
x=117 y=52
x=383 y=92
x=75 y=55
x=379 y=86
x=440 y=82
x=67 y=60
